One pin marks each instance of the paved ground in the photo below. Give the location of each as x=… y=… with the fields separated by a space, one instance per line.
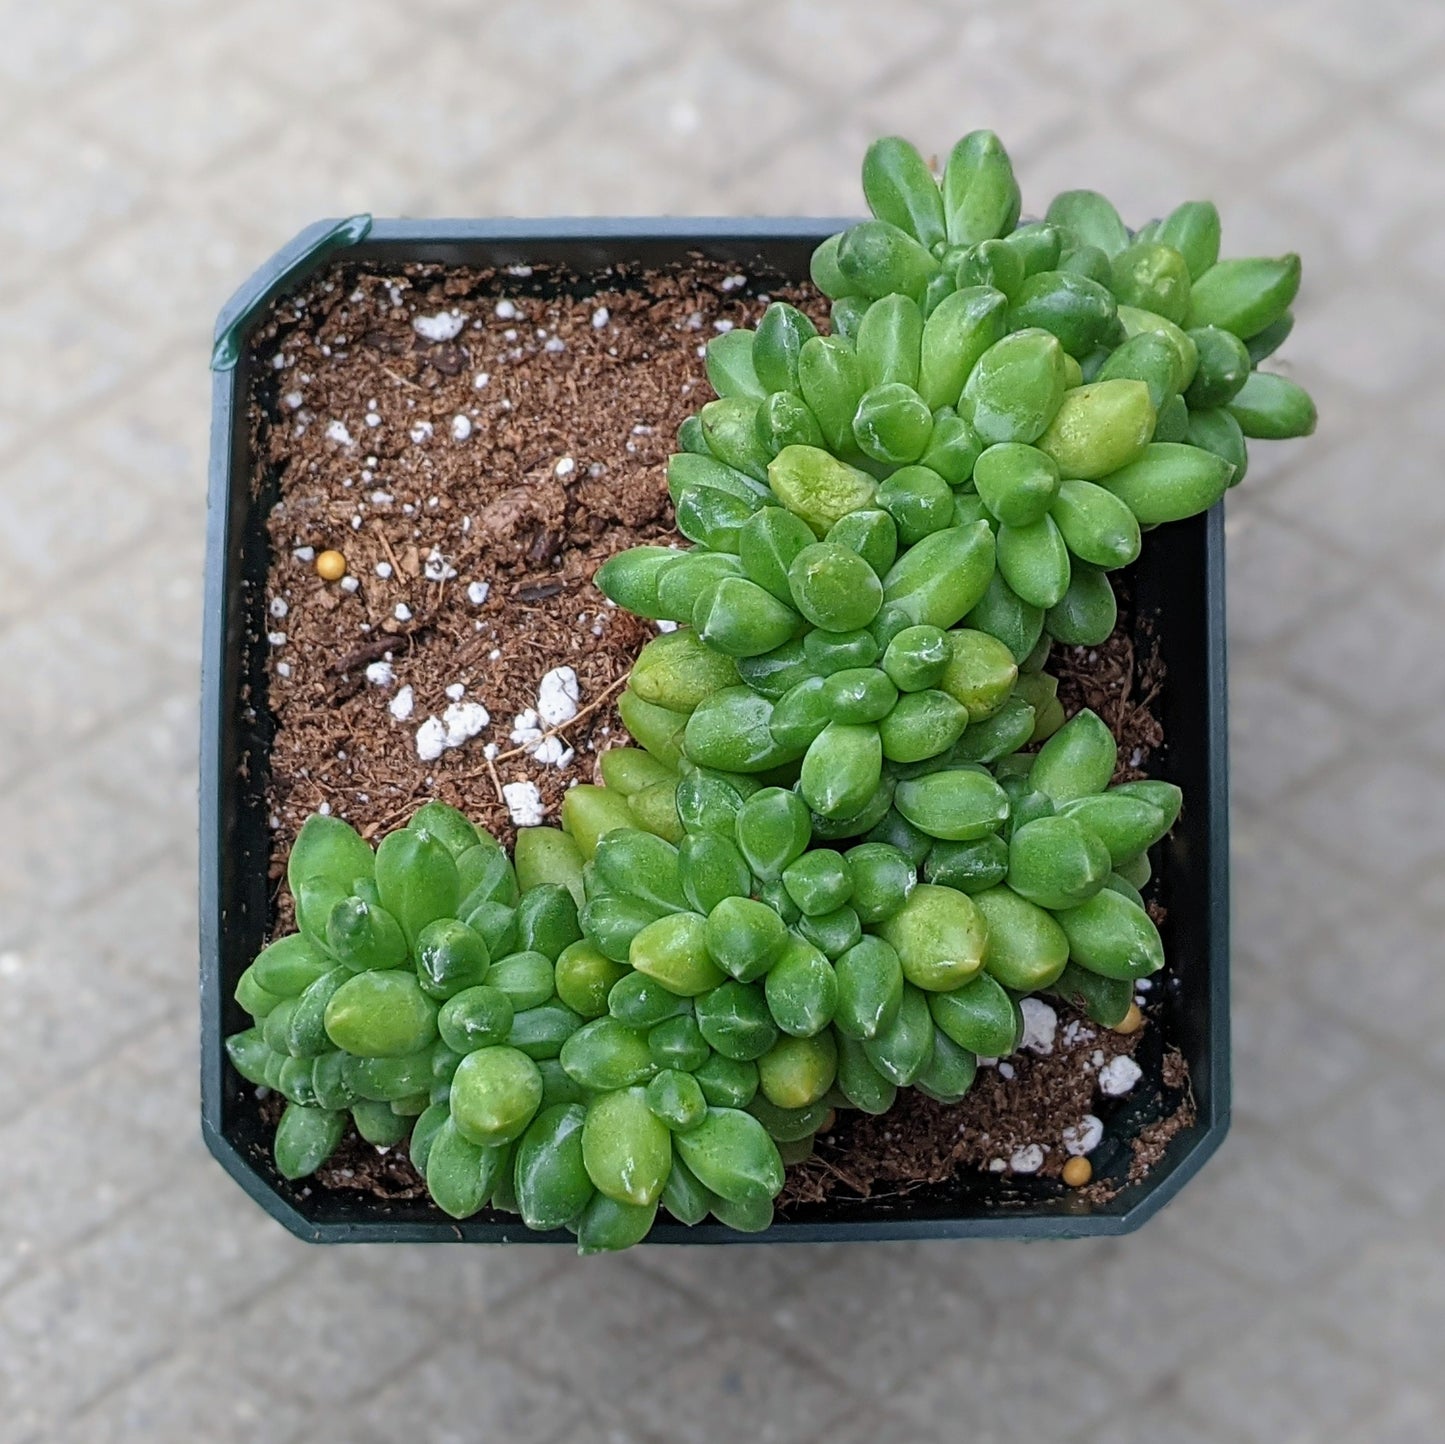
x=151 y=153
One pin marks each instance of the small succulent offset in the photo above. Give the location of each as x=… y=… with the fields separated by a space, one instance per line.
x=833 y=865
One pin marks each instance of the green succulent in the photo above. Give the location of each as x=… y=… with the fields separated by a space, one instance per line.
x=833 y=865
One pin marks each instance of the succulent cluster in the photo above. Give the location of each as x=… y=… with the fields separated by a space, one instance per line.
x=833 y=866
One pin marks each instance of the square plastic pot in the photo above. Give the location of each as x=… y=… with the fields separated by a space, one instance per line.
x=1178 y=589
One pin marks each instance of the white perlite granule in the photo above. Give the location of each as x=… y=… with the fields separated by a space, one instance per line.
x=1040 y=1026
x=600 y=317
x=1028 y=1159
x=1119 y=1075
x=456 y=692
x=477 y=592
x=464 y=720
x=336 y=431
x=380 y=674
x=459 y=723
x=401 y=705
x=524 y=803
x=1084 y=1136
x=435 y=569
x=553 y=752
x=431 y=739
x=461 y=426
x=526 y=731
x=442 y=327
x=557 y=696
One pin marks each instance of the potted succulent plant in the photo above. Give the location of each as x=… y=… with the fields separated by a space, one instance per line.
x=898 y=755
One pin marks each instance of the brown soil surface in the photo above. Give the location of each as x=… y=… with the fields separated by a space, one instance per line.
x=562 y=463
x=1120 y=680
x=516 y=455
x=919 y=1142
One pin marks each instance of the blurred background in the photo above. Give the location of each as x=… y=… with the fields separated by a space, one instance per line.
x=152 y=153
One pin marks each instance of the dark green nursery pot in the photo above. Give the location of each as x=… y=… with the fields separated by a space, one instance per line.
x=1178 y=587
